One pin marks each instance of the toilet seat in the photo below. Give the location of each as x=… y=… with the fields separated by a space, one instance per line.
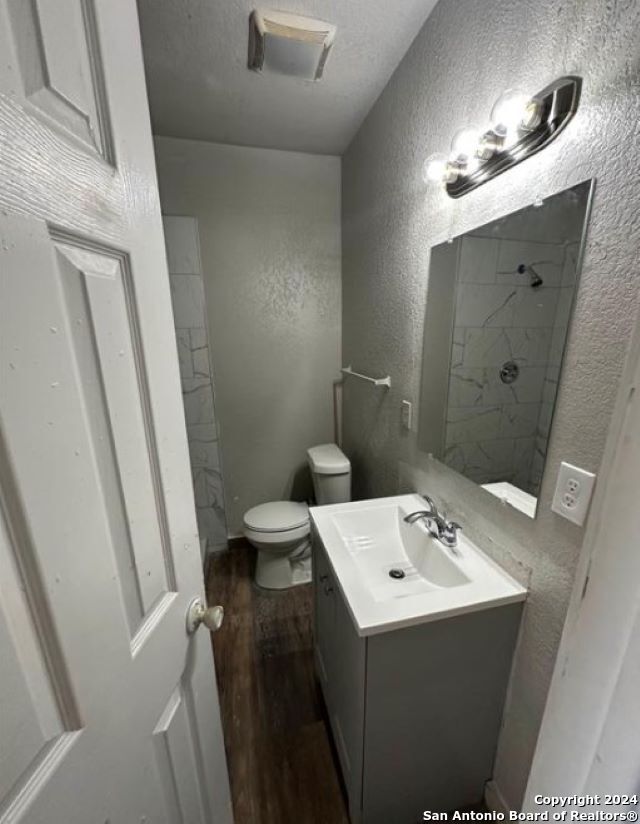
x=277 y=516
x=280 y=531
x=279 y=524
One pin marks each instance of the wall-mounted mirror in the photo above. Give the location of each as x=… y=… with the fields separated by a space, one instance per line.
x=497 y=318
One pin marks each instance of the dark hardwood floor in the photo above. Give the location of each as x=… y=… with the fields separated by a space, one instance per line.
x=281 y=763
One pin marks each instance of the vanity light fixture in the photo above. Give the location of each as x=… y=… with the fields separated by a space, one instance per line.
x=514 y=112
x=521 y=125
x=437 y=168
x=464 y=143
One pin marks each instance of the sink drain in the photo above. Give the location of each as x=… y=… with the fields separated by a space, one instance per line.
x=396 y=573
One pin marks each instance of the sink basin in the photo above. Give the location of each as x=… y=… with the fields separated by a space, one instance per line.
x=379 y=541
x=396 y=574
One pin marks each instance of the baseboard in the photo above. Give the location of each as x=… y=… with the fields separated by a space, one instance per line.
x=494 y=799
x=236 y=540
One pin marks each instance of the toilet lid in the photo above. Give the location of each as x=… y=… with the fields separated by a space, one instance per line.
x=277 y=516
x=328 y=459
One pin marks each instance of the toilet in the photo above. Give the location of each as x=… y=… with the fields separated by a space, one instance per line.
x=280 y=530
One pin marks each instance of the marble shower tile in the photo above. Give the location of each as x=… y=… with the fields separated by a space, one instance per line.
x=203 y=446
x=467 y=386
x=550 y=388
x=546 y=258
x=197 y=396
x=187 y=296
x=457 y=347
x=200 y=352
x=570 y=268
x=485 y=347
x=454 y=457
x=212 y=525
x=529 y=347
x=473 y=386
x=522 y=460
x=485 y=305
x=181 y=238
x=519 y=420
x=538 y=463
x=535 y=307
x=558 y=341
x=210 y=513
x=484 y=461
x=467 y=424
x=545 y=419
x=528 y=387
x=183 y=339
x=478 y=260
x=563 y=309
x=493 y=347
x=207 y=485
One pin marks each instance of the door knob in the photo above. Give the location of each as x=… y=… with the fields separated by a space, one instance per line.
x=198 y=613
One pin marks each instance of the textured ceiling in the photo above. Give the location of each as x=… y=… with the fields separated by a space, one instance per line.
x=199 y=85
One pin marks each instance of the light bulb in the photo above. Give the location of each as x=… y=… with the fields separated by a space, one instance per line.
x=434 y=168
x=509 y=113
x=532 y=117
x=438 y=168
x=452 y=171
x=472 y=163
x=464 y=143
x=488 y=145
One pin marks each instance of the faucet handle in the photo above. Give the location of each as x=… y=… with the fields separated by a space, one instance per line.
x=431 y=504
x=450 y=533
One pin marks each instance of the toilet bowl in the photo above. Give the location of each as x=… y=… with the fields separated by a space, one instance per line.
x=280 y=530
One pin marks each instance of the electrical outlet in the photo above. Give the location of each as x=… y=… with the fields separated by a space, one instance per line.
x=407 y=414
x=573 y=493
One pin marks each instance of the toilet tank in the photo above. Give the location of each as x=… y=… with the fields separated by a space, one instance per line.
x=331 y=473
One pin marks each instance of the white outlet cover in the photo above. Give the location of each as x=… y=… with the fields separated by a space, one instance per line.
x=574 y=489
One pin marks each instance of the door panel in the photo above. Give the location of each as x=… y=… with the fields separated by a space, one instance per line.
x=38 y=720
x=113 y=712
x=176 y=762
x=101 y=322
x=56 y=46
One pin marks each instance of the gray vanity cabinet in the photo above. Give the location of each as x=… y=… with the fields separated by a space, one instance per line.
x=414 y=712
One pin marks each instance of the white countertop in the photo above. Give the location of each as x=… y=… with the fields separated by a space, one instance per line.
x=364 y=539
x=517 y=498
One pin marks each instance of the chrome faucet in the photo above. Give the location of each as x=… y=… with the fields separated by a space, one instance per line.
x=438 y=525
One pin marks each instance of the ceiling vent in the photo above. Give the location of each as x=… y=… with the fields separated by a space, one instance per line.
x=289 y=44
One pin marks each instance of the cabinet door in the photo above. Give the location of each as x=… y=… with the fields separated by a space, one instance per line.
x=324 y=606
x=340 y=660
x=348 y=656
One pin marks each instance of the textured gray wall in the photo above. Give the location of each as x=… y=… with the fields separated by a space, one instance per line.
x=466 y=55
x=269 y=225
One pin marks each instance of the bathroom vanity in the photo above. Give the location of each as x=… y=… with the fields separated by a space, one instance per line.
x=413 y=649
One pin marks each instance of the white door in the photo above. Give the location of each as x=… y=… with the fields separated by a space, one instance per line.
x=108 y=709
